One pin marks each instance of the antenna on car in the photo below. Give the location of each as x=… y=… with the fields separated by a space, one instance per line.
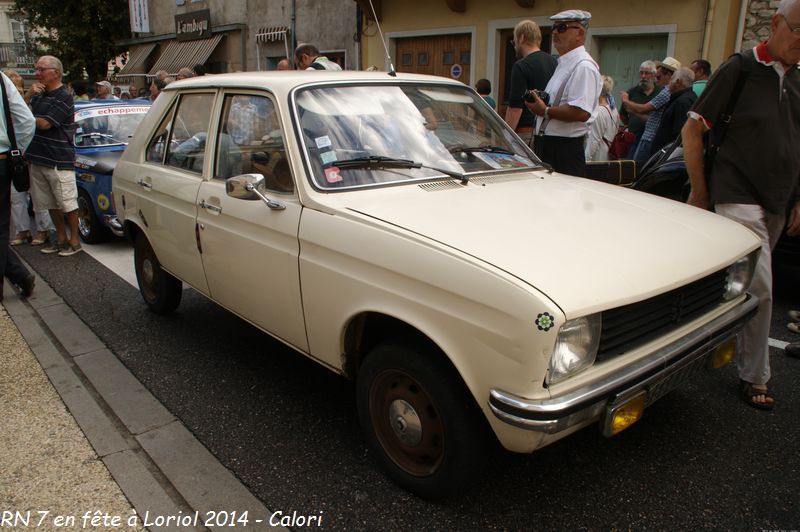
x=383 y=40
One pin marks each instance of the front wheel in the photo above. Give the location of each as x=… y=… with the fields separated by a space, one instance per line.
x=421 y=421
x=90 y=229
x=160 y=290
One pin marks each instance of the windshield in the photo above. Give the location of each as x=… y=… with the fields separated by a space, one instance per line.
x=107 y=126
x=361 y=136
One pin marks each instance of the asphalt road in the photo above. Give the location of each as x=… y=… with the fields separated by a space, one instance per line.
x=288 y=429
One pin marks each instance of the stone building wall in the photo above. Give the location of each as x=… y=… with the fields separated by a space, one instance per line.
x=757 y=21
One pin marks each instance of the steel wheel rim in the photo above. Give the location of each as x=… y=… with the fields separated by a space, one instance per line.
x=148 y=275
x=406 y=422
x=84 y=216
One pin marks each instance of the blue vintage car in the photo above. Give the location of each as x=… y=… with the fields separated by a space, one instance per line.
x=102 y=131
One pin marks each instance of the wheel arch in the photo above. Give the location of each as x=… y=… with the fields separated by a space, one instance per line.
x=368 y=329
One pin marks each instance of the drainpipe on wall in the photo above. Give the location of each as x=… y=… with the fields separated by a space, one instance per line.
x=707 y=29
x=294 y=28
x=737 y=46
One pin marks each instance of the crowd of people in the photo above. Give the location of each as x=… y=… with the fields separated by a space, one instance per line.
x=573 y=116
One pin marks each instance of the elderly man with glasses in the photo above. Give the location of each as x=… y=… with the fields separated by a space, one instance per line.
x=573 y=94
x=52 y=156
x=754 y=179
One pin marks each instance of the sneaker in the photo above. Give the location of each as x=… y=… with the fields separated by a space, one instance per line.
x=53 y=247
x=70 y=249
x=794 y=327
x=794 y=315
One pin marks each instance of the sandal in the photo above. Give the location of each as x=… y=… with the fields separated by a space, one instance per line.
x=20 y=239
x=41 y=238
x=748 y=392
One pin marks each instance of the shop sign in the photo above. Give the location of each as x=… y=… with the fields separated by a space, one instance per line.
x=194 y=25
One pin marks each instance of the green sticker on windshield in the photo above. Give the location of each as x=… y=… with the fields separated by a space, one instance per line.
x=545 y=321
x=328 y=157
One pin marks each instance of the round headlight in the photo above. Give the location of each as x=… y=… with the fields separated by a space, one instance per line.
x=739 y=276
x=575 y=348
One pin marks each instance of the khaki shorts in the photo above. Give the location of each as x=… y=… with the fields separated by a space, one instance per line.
x=52 y=188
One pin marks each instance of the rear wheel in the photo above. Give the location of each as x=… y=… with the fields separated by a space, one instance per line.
x=90 y=228
x=160 y=290
x=419 y=418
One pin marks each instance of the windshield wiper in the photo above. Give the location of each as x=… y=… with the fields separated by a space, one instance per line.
x=481 y=149
x=379 y=161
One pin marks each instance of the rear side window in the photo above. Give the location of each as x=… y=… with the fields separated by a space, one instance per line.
x=181 y=138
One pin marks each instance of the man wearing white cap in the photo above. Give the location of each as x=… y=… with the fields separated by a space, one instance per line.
x=654 y=109
x=104 y=91
x=573 y=93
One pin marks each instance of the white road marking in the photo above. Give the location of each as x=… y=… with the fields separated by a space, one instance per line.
x=780 y=344
x=117 y=256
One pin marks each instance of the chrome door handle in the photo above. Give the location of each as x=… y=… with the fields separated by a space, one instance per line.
x=143 y=184
x=210 y=207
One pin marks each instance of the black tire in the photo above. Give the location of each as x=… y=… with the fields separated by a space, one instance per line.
x=90 y=228
x=425 y=428
x=160 y=290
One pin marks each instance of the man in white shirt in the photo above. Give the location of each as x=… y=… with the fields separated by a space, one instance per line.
x=573 y=94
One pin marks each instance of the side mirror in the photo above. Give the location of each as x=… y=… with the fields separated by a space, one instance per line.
x=244 y=186
x=250 y=187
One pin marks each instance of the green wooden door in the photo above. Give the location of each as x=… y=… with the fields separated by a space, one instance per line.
x=620 y=57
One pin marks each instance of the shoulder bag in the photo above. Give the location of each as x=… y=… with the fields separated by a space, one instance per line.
x=17 y=166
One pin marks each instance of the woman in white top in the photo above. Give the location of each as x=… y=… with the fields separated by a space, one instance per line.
x=604 y=126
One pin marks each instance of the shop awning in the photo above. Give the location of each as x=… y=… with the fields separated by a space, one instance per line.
x=277 y=33
x=179 y=54
x=137 y=55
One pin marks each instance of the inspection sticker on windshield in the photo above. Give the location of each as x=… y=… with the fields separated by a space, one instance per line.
x=327 y=157
x=323 y=141
x=332 y=175
x=120 y=110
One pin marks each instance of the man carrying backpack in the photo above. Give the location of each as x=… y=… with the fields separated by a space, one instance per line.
x=756 y=186
x=307 y=57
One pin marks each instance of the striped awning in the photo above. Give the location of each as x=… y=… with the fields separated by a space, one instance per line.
x=276 y=33
x=179 y=54
x=137 y=55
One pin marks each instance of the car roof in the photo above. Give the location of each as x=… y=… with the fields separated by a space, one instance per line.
x=289 y=79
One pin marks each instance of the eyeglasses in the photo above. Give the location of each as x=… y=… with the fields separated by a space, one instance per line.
x=42 y=69
x=561 y=28
x=793 y=29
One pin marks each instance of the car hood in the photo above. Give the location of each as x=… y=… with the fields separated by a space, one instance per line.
x=561 y=234
x=99 y=162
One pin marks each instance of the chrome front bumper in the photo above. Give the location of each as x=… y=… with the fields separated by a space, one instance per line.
x=656 y=374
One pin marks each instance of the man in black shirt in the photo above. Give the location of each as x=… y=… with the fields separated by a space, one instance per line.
x=52 y=156
x=532 y=71
x=754 y=180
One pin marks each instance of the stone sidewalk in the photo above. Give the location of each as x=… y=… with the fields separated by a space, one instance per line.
x=84 y=446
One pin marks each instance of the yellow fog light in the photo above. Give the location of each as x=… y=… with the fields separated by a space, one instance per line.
x=723 y=354
x=624 y=415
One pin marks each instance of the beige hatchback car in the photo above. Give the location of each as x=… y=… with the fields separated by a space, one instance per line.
x=395 y=230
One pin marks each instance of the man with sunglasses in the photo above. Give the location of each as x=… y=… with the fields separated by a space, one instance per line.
x=754 y=180
x=573 y=92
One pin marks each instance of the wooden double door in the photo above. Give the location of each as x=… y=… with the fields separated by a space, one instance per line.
x=439 y=55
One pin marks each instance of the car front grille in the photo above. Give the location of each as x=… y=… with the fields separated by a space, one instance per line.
x=629 y=326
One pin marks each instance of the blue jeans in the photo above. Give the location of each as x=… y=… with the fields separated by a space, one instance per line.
x=643 y=152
